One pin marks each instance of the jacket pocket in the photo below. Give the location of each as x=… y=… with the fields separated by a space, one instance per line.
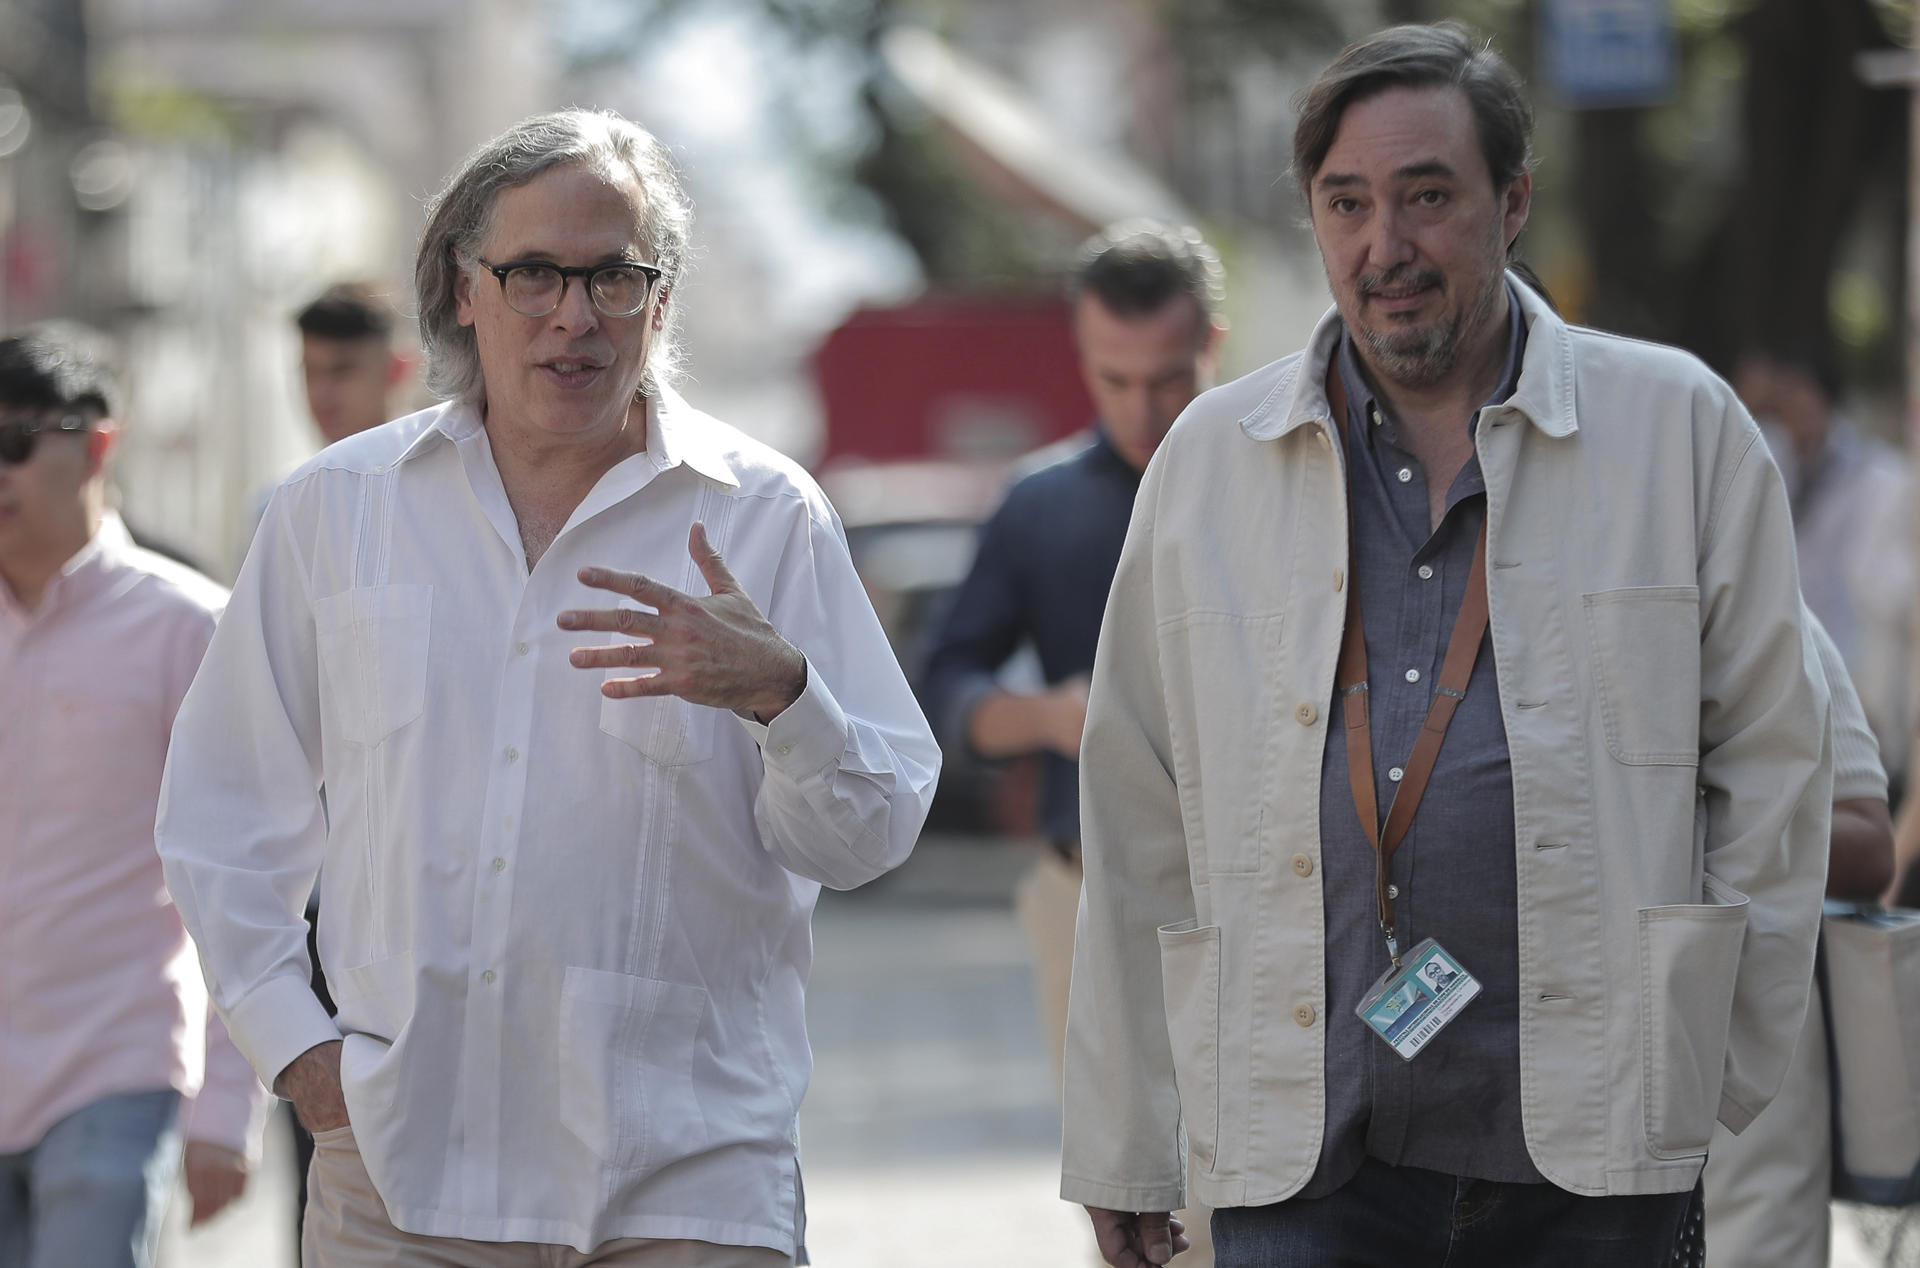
x=1644 y=644
x=626 y=1067
x=373 y=647
x=1689 y=957
x=1190 y=978
x=665 y=730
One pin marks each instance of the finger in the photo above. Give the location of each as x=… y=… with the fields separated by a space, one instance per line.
x=712 y=567
x=1156 y=1237
x=627 y=688
x=618 y=656
x=1111 y=1235
x=629 y=621
x=655 y=594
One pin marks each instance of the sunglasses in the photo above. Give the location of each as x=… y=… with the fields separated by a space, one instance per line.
x=19 y=435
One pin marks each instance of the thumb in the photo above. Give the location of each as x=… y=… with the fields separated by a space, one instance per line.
x=1156 y=1237
x=712 y=567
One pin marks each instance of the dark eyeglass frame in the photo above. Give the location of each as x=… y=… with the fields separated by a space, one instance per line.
x=18 y=436
x=590 y=272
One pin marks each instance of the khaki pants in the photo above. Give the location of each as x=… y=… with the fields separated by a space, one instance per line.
x=347 y=1227
x=1048 y=903
x=1767 y=1188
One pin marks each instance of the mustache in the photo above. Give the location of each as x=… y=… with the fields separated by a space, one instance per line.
x=1403 y=277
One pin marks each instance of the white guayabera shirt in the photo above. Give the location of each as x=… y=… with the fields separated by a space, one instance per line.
x=568 y=935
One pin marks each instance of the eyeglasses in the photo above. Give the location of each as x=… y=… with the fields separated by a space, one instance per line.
x=534 y=288
x=19 y=435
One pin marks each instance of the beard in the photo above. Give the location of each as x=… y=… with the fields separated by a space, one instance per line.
x=1421 y=356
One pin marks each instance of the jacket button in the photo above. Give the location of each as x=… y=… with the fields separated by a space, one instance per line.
x=1302 y=865
x=1306 y=715
x=1303 y=1014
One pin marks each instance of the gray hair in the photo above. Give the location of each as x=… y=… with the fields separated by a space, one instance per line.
x=1133 y=267
x=461 y=215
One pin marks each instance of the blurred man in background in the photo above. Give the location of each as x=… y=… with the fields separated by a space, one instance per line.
x=349 y=361
x=109 y=1057
x=1146 y=316
x=577 y=812
x=1767 y=1189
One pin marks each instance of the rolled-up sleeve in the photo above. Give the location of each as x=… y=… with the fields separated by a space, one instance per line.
x=850 y=766
x=241 y=829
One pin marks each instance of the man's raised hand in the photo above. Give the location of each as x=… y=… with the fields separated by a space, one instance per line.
x=717 y=651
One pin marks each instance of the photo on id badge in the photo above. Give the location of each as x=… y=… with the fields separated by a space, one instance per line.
x=1410 y=1005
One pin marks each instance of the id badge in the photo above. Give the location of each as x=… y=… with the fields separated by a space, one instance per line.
x=1409 y=1005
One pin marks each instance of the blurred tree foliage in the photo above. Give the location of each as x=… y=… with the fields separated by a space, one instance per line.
x=1765 y=195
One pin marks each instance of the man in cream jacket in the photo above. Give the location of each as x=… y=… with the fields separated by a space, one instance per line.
x=1618 y=843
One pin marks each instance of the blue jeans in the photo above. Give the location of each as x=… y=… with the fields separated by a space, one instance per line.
x=92 y=1192
x=1403 y=1217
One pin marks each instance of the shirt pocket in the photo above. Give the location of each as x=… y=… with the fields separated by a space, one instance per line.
x=1644 y=646
x=626 y=1068
x=374 y=645
x=665 y=730
x=1689 y=956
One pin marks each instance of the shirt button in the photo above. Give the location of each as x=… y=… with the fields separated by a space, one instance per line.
x=785 y=749
x=520 y=649
x=1306 y=715
x=1405 y=474
x=1396 y=774
x=487 y=977
x=1374 y=412
x=1303 y=1014
x=499 y=865
x=513 y=755
x=1302 y=865
x=1426 y=572
x=1393 y=891
x=1413 y=675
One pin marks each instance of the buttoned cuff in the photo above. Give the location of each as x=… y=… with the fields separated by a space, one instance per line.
x=1122 y=1197
x=808 y=737
x=276 y=1022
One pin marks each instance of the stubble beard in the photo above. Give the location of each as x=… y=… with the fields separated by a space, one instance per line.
x=1421 y=356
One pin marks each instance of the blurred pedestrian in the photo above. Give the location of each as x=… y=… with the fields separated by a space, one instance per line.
x=580 y=792
x=351 y=366
x=109 y=1056
x=1852 y=497
x=1767 y=1189
x=1146 y=300
x=1619 y=846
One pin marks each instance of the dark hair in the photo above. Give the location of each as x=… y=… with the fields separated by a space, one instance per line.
x=1445 y=54
x=347 y=310
x=1135 y=266
x=59 y=365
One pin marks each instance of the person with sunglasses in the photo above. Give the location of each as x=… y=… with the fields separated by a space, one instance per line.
x=597 y=703
x=109 y=1057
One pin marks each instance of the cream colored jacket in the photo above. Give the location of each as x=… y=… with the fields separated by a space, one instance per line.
x=1669 y=739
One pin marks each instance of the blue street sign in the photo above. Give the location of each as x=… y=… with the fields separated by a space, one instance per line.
x=1600 y=53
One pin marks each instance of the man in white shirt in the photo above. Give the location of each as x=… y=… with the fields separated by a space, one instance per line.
x=572 y=841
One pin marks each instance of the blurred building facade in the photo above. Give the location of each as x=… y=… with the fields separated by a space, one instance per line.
x=190 y=171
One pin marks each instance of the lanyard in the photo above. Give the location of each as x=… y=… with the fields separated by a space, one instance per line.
x=1469 y=628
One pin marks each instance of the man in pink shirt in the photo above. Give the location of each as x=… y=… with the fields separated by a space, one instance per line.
x=109 y=1056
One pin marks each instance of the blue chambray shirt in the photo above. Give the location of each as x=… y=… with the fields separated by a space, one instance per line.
x=1455 y=1107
